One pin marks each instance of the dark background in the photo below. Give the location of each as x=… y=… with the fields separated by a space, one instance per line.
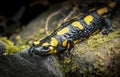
x=11 y=18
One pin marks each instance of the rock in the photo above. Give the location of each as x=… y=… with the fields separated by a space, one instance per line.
x=24 y=65
x=2 y=47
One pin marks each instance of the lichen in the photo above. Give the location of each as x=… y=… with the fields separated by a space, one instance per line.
x=10 y=47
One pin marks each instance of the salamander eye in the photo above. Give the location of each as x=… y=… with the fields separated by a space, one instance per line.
x=45 y=47
x=42 y=50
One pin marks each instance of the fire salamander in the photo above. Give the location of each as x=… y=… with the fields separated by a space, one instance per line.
x=68 y=34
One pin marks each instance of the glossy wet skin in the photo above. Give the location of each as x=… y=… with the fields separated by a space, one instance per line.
x=68 y=34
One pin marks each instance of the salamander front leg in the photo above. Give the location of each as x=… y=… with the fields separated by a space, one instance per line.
x=70 y=45
x=108 y=27
x=31 y=49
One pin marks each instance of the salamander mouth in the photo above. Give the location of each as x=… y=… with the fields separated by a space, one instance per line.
x=42 y=50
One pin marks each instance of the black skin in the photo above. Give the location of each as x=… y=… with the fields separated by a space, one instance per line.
x=75 y=33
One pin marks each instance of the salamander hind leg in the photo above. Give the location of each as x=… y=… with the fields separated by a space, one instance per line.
x=70 y=45
x=68 y=54
x=108 y=27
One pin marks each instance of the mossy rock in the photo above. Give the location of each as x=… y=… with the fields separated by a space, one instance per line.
x=9 y=47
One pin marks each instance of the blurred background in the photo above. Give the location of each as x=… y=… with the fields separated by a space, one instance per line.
x=17 y=13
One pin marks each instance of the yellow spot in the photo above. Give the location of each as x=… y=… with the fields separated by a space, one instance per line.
x=96 y=32
x=68 y=45
x=45 y=43
x=52 y=50
x=36 y=42
x=112 y=4
x=41 y=39
x=54 y=41
x=77 y=24
x=88 y=19
x=64 y=43
x=76 y=41
x=102 y=11
x=63 y=31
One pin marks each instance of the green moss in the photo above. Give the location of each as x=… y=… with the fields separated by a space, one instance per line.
x=96 y=40
x=10 y=47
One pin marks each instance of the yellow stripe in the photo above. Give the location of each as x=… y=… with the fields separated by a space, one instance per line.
x=63 y=31
x=88 y=19
x=77 y=24
x=38 y=41
x=102 y=11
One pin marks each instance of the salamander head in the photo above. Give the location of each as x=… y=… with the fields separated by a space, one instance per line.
x=42 y=50
x=39 y=50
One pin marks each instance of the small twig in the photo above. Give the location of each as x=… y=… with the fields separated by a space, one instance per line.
x=70 y=14
x=49 y=17
x=58 y=12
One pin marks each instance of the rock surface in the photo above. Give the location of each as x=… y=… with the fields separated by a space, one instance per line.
x=24 y=65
